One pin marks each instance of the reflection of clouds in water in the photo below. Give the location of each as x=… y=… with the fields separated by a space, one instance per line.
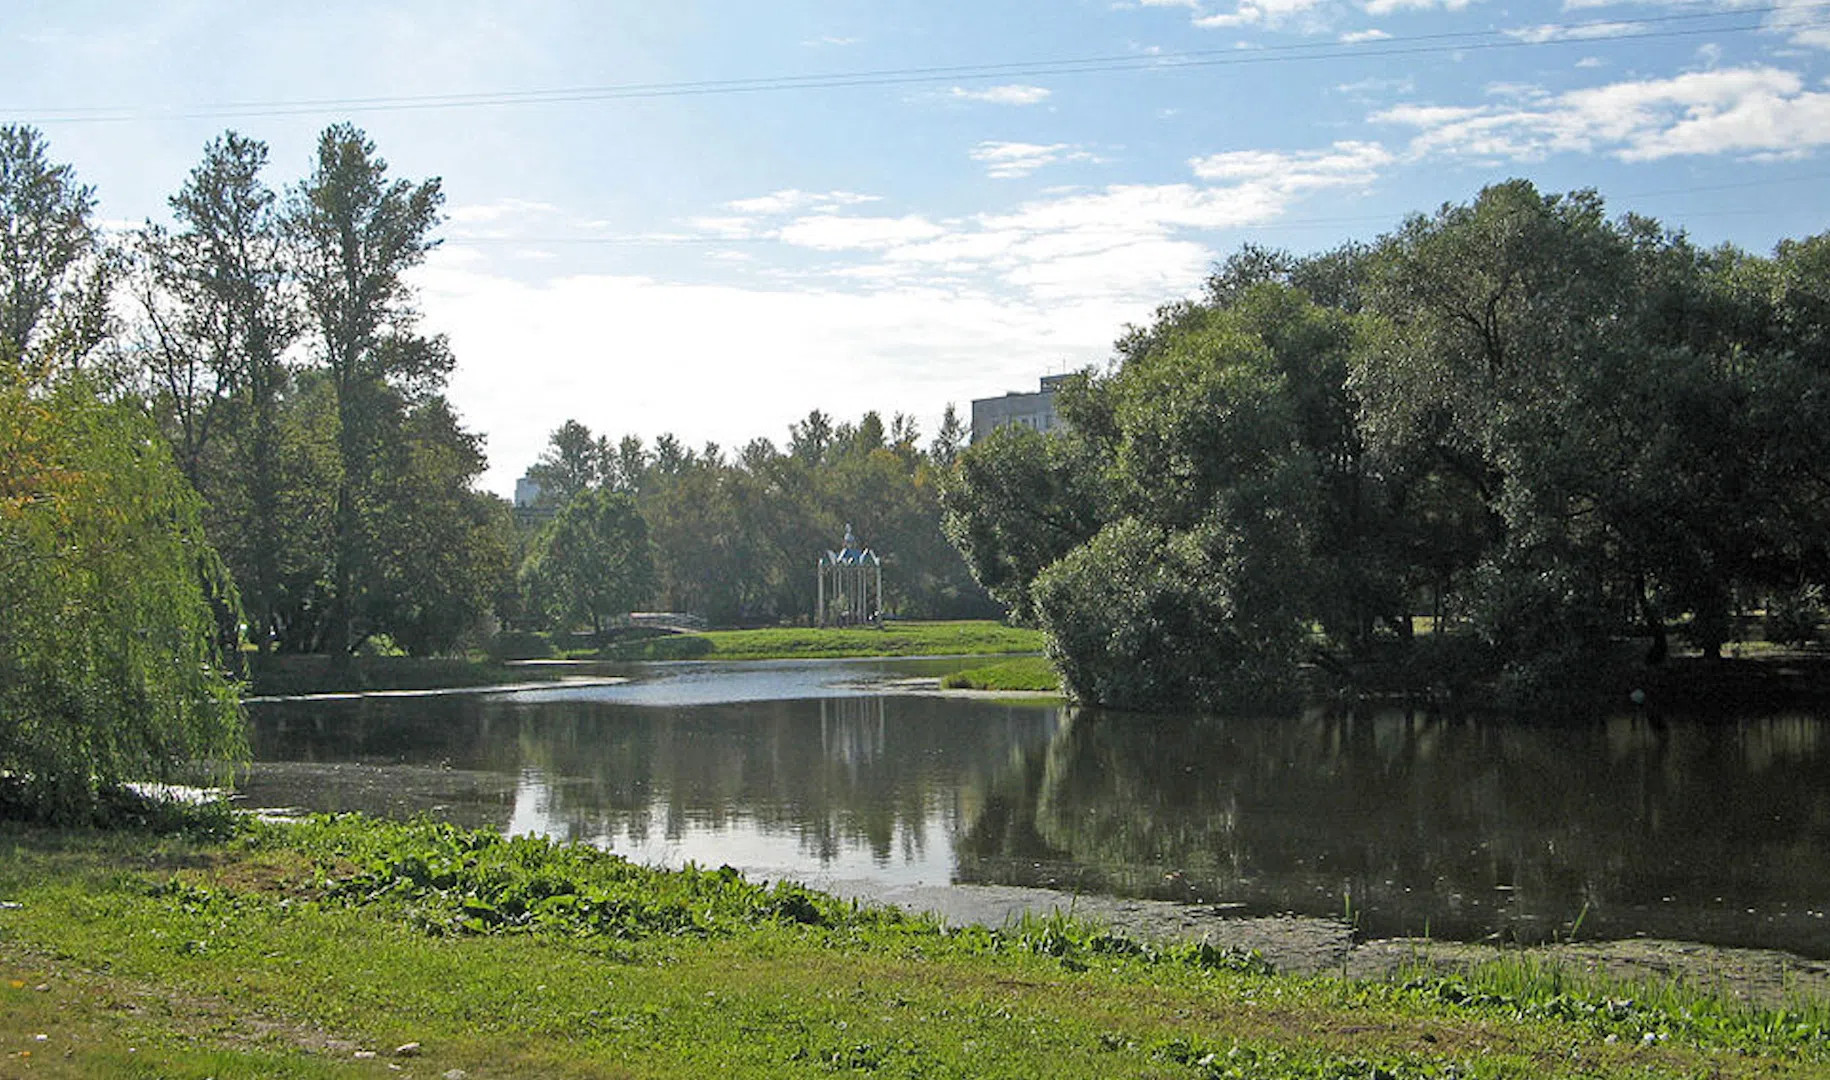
x=532 y=812
x=734 y=839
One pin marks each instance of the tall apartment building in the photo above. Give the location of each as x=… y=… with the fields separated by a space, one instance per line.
x=1034 y=410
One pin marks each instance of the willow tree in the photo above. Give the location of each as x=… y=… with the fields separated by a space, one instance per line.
x=109 y=662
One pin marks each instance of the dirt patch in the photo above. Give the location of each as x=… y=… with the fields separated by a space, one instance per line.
x=1310 y=946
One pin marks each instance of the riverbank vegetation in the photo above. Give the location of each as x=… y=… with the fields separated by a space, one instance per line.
x=234 y=948
x=1576 y=444
x=969 y=637
x=1026 y=673
x=112 y=603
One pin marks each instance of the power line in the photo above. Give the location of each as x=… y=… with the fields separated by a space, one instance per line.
x=684 y=240
x=1669 y=26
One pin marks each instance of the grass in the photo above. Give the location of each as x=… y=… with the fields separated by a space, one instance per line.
x=1020 y=673
x=287 y=950
x=960 y=638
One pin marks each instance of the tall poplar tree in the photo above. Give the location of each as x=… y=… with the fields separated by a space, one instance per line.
x=219 y=316
x=354 y=234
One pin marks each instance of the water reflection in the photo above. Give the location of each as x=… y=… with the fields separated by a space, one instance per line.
x=1404 y=822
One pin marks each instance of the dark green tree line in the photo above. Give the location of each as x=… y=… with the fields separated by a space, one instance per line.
x=1549 y=431
x=735 y=537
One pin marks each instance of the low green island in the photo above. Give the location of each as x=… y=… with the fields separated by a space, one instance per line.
x=210 y=945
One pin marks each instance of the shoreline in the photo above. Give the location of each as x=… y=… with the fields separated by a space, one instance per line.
x=1307 y=945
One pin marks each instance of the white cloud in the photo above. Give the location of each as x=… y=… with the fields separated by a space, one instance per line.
x=1290 y=172
x=1014 y=94
x=728 y=228
x=790 y=200
x=1009 y=160
x=1803 y=21
x=834 y=232
x=1366 y=89
x=1355 y=37
x=1387 y=7
x=1538 y=35
x=610 y=351
x=1258 y=13
x=1754 y=110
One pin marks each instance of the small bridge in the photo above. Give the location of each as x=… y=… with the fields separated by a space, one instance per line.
x=679 y=622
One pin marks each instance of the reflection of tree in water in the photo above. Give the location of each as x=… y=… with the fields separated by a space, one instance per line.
x=839 y=774
x=1460 y=828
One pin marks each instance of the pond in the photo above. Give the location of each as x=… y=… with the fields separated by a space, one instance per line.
x=1397 y=822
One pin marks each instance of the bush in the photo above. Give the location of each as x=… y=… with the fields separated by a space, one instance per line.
x=520 y=645
x=1143 y=619
x=1796 y=618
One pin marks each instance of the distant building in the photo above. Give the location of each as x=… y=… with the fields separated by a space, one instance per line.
x=529 y=509
x=1035 y=410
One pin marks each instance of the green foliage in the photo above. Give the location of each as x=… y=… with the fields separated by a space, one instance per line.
x=1145 y=619
x=591 y=563
x=55 y=273
x=458 y=881
x=109 y=668
x=736 y=541
x=1549 y=431
x=521 y=645
x=1797 y=618
x=1019 y=500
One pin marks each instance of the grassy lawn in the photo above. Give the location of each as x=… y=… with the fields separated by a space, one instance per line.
x=962 y=638
x=299 y=951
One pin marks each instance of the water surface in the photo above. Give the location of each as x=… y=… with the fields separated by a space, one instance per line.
x=1707 y=830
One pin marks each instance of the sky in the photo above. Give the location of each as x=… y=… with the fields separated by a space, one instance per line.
x=708 y=218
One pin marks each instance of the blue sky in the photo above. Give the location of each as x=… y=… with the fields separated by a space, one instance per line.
x=710 y=217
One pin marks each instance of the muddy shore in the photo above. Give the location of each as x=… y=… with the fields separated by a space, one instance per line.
x=1311 y=946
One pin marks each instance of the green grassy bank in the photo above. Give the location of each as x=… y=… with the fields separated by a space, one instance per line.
x=292 y=674
x=323 y=948
x=1025 y=673
x=960 y=638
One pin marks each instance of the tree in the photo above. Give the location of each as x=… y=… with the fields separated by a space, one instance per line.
x=443 y=552
x=808 y=439
x=354 y=234
x=573 y=461
x=1018 y=501
x=949 y=440
x=109 y=666
x=55 y=274
x=218 y=317
x=591 y=562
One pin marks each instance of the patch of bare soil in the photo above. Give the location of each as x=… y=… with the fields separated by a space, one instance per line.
x=1303 y=945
